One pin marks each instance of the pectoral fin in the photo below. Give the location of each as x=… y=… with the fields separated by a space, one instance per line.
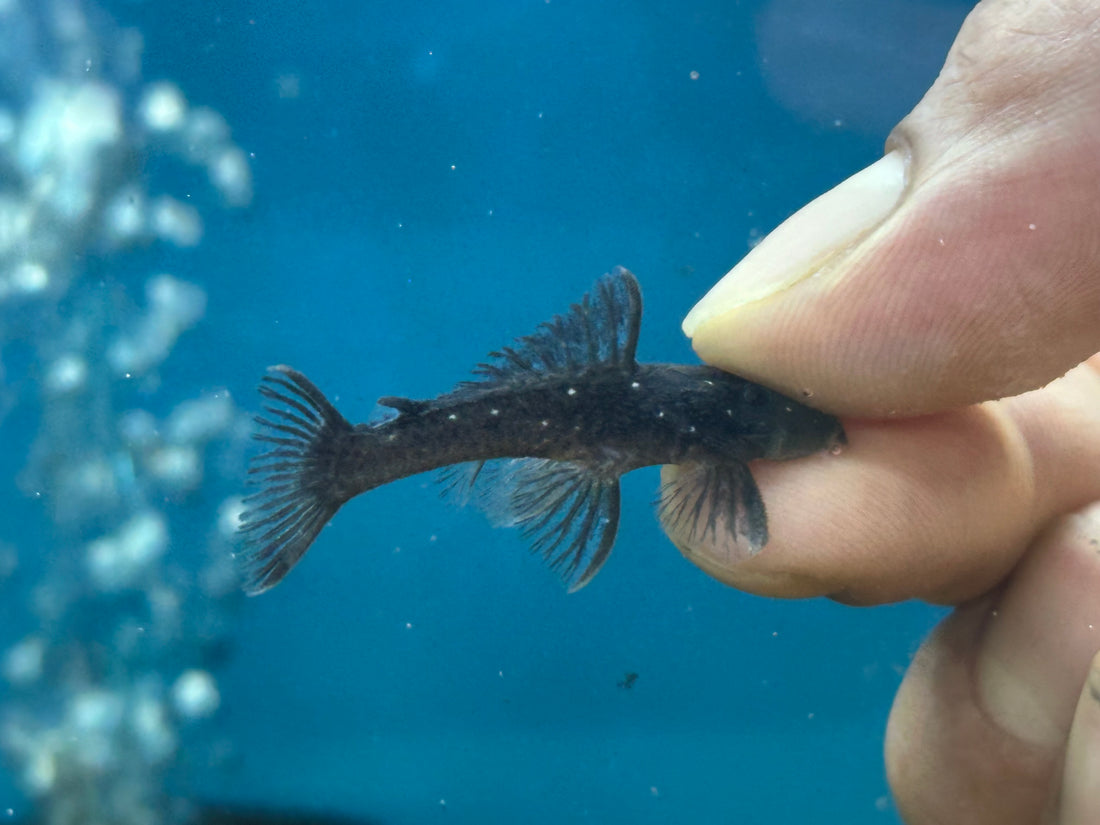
x=693 y=504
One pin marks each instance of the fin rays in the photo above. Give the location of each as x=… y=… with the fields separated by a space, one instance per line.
x=724 y=490
x=568 y=512
x=601 y=329
x=295 y=501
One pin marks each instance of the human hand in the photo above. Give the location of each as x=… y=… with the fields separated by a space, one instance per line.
x=962 y=267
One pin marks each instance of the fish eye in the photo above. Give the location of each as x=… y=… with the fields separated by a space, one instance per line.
x=754 y=395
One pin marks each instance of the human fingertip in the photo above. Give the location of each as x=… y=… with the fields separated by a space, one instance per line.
x=728 y=557
x=1079 y=797
x=804 y=243
x=1025 y=684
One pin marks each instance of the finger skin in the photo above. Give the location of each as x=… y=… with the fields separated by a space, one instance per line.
x=1079 y=800
x=981 y=743
x=938 y=508
x=985 y=280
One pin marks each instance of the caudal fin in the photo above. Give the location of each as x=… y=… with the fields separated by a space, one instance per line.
x=296 y=476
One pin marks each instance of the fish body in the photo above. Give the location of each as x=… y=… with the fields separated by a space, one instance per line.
x=570 y=411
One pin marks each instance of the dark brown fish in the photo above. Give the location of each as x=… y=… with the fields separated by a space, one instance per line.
x=569 y=409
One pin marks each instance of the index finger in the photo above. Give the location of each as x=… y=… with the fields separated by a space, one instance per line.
x=938 y=507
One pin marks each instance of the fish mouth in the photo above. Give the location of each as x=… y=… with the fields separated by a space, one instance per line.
x=839 y=439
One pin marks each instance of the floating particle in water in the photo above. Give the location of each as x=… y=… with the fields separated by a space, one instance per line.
x=29 y=278
x=177 y=466
x=201 y=419
x=65 y=131
x=195 y=695
x=125 y=216
x=173 y=307
x=67 y=374
x=121 y=559
x=231 y=175
x=96 y=710
x=163 y=107
x=22 y=664
x=152 y=729
x=138 y=429
x=229 y=516
x=176 y=222
x=204 y=135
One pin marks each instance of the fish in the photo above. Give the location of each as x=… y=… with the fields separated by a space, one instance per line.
x=546 y=429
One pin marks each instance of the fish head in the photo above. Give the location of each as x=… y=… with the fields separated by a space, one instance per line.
x=799 y=430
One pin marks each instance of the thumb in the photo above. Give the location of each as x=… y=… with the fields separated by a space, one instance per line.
x=962 y=266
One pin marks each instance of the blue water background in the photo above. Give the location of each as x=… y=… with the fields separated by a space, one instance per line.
x=447 y=176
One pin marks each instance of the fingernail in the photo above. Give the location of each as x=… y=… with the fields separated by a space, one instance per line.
x=804 y=243
x=1038 y=640
x=1079 y=803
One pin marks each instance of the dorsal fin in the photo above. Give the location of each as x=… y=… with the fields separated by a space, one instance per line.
x=601 y=329
x=407 y=406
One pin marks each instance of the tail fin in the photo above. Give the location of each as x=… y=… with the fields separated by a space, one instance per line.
x=296 y=477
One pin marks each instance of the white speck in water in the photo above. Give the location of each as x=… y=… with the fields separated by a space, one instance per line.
x=660 y=413
x=545 y=423
x=729 y=413
x=634 y=385
x=452 y=417
x=494 y=412
x=571 y=391
x=691 y=429
x=195 y=694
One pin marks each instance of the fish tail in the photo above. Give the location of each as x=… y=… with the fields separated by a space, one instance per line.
x=298 y=491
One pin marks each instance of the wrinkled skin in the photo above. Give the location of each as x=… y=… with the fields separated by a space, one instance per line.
x=981 y=282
